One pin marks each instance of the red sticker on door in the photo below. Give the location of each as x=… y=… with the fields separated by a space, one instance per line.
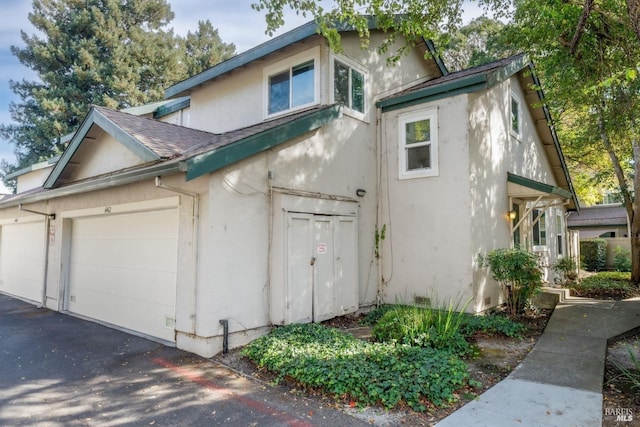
x=321 y=248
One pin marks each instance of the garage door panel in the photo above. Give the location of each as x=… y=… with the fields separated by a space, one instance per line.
x=150 y=255
x=123 y=271
x=22 y=259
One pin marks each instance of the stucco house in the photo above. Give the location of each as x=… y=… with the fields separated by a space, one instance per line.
x=608 y=220
x=289 y=184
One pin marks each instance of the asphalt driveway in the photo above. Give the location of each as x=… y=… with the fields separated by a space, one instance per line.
x=58 y=370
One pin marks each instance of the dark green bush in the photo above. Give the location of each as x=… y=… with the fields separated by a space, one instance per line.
x=519 y=274
x=621 y=259
x=491 y=325
x=566 y=269
x=368 y=373
x=593 y=254
x=606 y=285
x=372 y=317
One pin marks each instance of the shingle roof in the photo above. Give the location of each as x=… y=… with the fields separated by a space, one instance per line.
x=165 y=139
x=600 y=215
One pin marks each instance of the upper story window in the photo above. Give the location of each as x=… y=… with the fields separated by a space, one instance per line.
x=292 y=84
x=349 y=85
x=418 y=144
x=516 y=116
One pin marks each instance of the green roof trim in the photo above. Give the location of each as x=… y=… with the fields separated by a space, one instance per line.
x=94 y=117
x=214 y=160
x=539 y=186
x=172 y=107
x=431 y=47
x=33 y=167
x=456 y=86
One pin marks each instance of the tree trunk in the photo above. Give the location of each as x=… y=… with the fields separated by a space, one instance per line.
x=630 y=203
x=633 y=7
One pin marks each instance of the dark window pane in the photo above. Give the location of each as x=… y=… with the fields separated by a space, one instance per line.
x=418 y=132
x=357 y=91
x=279 y=92
x=419 y=157
x=341 y=83
x=515 y=115
x=302 y=88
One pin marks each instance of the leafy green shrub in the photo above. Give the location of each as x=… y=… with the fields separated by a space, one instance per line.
x=631 y=376
x=621 y=259
x=491 y=325
x=606 y=285
x=372 y=317
x=518 y=273
x=368 y=373
x=566 y=269
x=593 y=254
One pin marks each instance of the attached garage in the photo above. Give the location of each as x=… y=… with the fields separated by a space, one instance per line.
x=122 y=270
x=22 y=254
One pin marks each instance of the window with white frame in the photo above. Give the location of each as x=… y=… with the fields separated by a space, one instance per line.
x=418 y=144
x=560 y=232
x=292 y=84
x=349 y=85
x=516 y=116
x=539 y=229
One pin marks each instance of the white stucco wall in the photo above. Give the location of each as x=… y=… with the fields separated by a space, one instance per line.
x=33 y=179
x=493 y=153
x=427 y=251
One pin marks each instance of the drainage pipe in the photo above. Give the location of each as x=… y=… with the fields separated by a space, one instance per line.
x=225 y=335
x=194 y=241
x=47 y=223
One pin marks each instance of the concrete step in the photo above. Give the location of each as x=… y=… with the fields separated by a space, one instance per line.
x=550 y=297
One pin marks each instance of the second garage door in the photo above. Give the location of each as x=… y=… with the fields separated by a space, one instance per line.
x=122 y=271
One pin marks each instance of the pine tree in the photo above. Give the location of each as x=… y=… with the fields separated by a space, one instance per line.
x=113 y=53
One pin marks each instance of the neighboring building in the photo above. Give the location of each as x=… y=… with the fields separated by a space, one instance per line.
x=600 y=221
x=259 y=193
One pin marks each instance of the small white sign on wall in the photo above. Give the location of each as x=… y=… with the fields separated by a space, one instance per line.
x=321 y=248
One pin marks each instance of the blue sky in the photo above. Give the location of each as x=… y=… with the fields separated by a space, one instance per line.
x=235 y=20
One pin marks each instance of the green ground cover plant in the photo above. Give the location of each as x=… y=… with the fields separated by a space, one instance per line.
x=428 y=369
x=367 y=373
x=606 y=285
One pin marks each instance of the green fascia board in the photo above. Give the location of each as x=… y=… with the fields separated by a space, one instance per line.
x=291 y=37
x=31 y=168
x=94 y=117
x=457 y=87
x=307 y=30
x=460 y=86
x=172 y=107
x=539 y=186
x=431 y=47
x=216 y=159
x=100 y=183
x=554 y=135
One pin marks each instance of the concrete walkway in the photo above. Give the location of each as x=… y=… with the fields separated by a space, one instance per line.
x=560 y=381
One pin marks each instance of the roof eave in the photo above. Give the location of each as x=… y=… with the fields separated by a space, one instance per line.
x=216 y=159
x=539 y=186
x=95 y=117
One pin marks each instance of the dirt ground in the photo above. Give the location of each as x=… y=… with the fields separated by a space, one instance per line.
x=497 y=357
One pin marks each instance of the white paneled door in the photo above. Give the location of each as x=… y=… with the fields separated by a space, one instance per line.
x=322 y=280
x=122 y=271
x=22 y=252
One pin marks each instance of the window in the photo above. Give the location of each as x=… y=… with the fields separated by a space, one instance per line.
x=560 y=232
x=515 y=221
x=418 y=144
x=516 y=116
x=348 y=86
x=539 y=228
x=291 y=84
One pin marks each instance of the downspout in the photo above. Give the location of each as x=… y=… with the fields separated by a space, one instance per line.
x=194 y=240
x=47 y=224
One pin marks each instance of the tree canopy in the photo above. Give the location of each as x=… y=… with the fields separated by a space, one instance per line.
x=587 y=53
x=113 y=53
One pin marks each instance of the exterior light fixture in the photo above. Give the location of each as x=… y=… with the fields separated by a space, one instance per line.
x=512 y=214
x=360 y=192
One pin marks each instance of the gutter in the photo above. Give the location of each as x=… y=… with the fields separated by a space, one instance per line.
x=97 y=184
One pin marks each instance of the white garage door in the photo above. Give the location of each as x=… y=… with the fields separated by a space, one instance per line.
x=22 y=259
x=123 y=271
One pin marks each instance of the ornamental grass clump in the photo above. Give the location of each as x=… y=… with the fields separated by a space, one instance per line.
x=438 y=327
x=366 y=373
